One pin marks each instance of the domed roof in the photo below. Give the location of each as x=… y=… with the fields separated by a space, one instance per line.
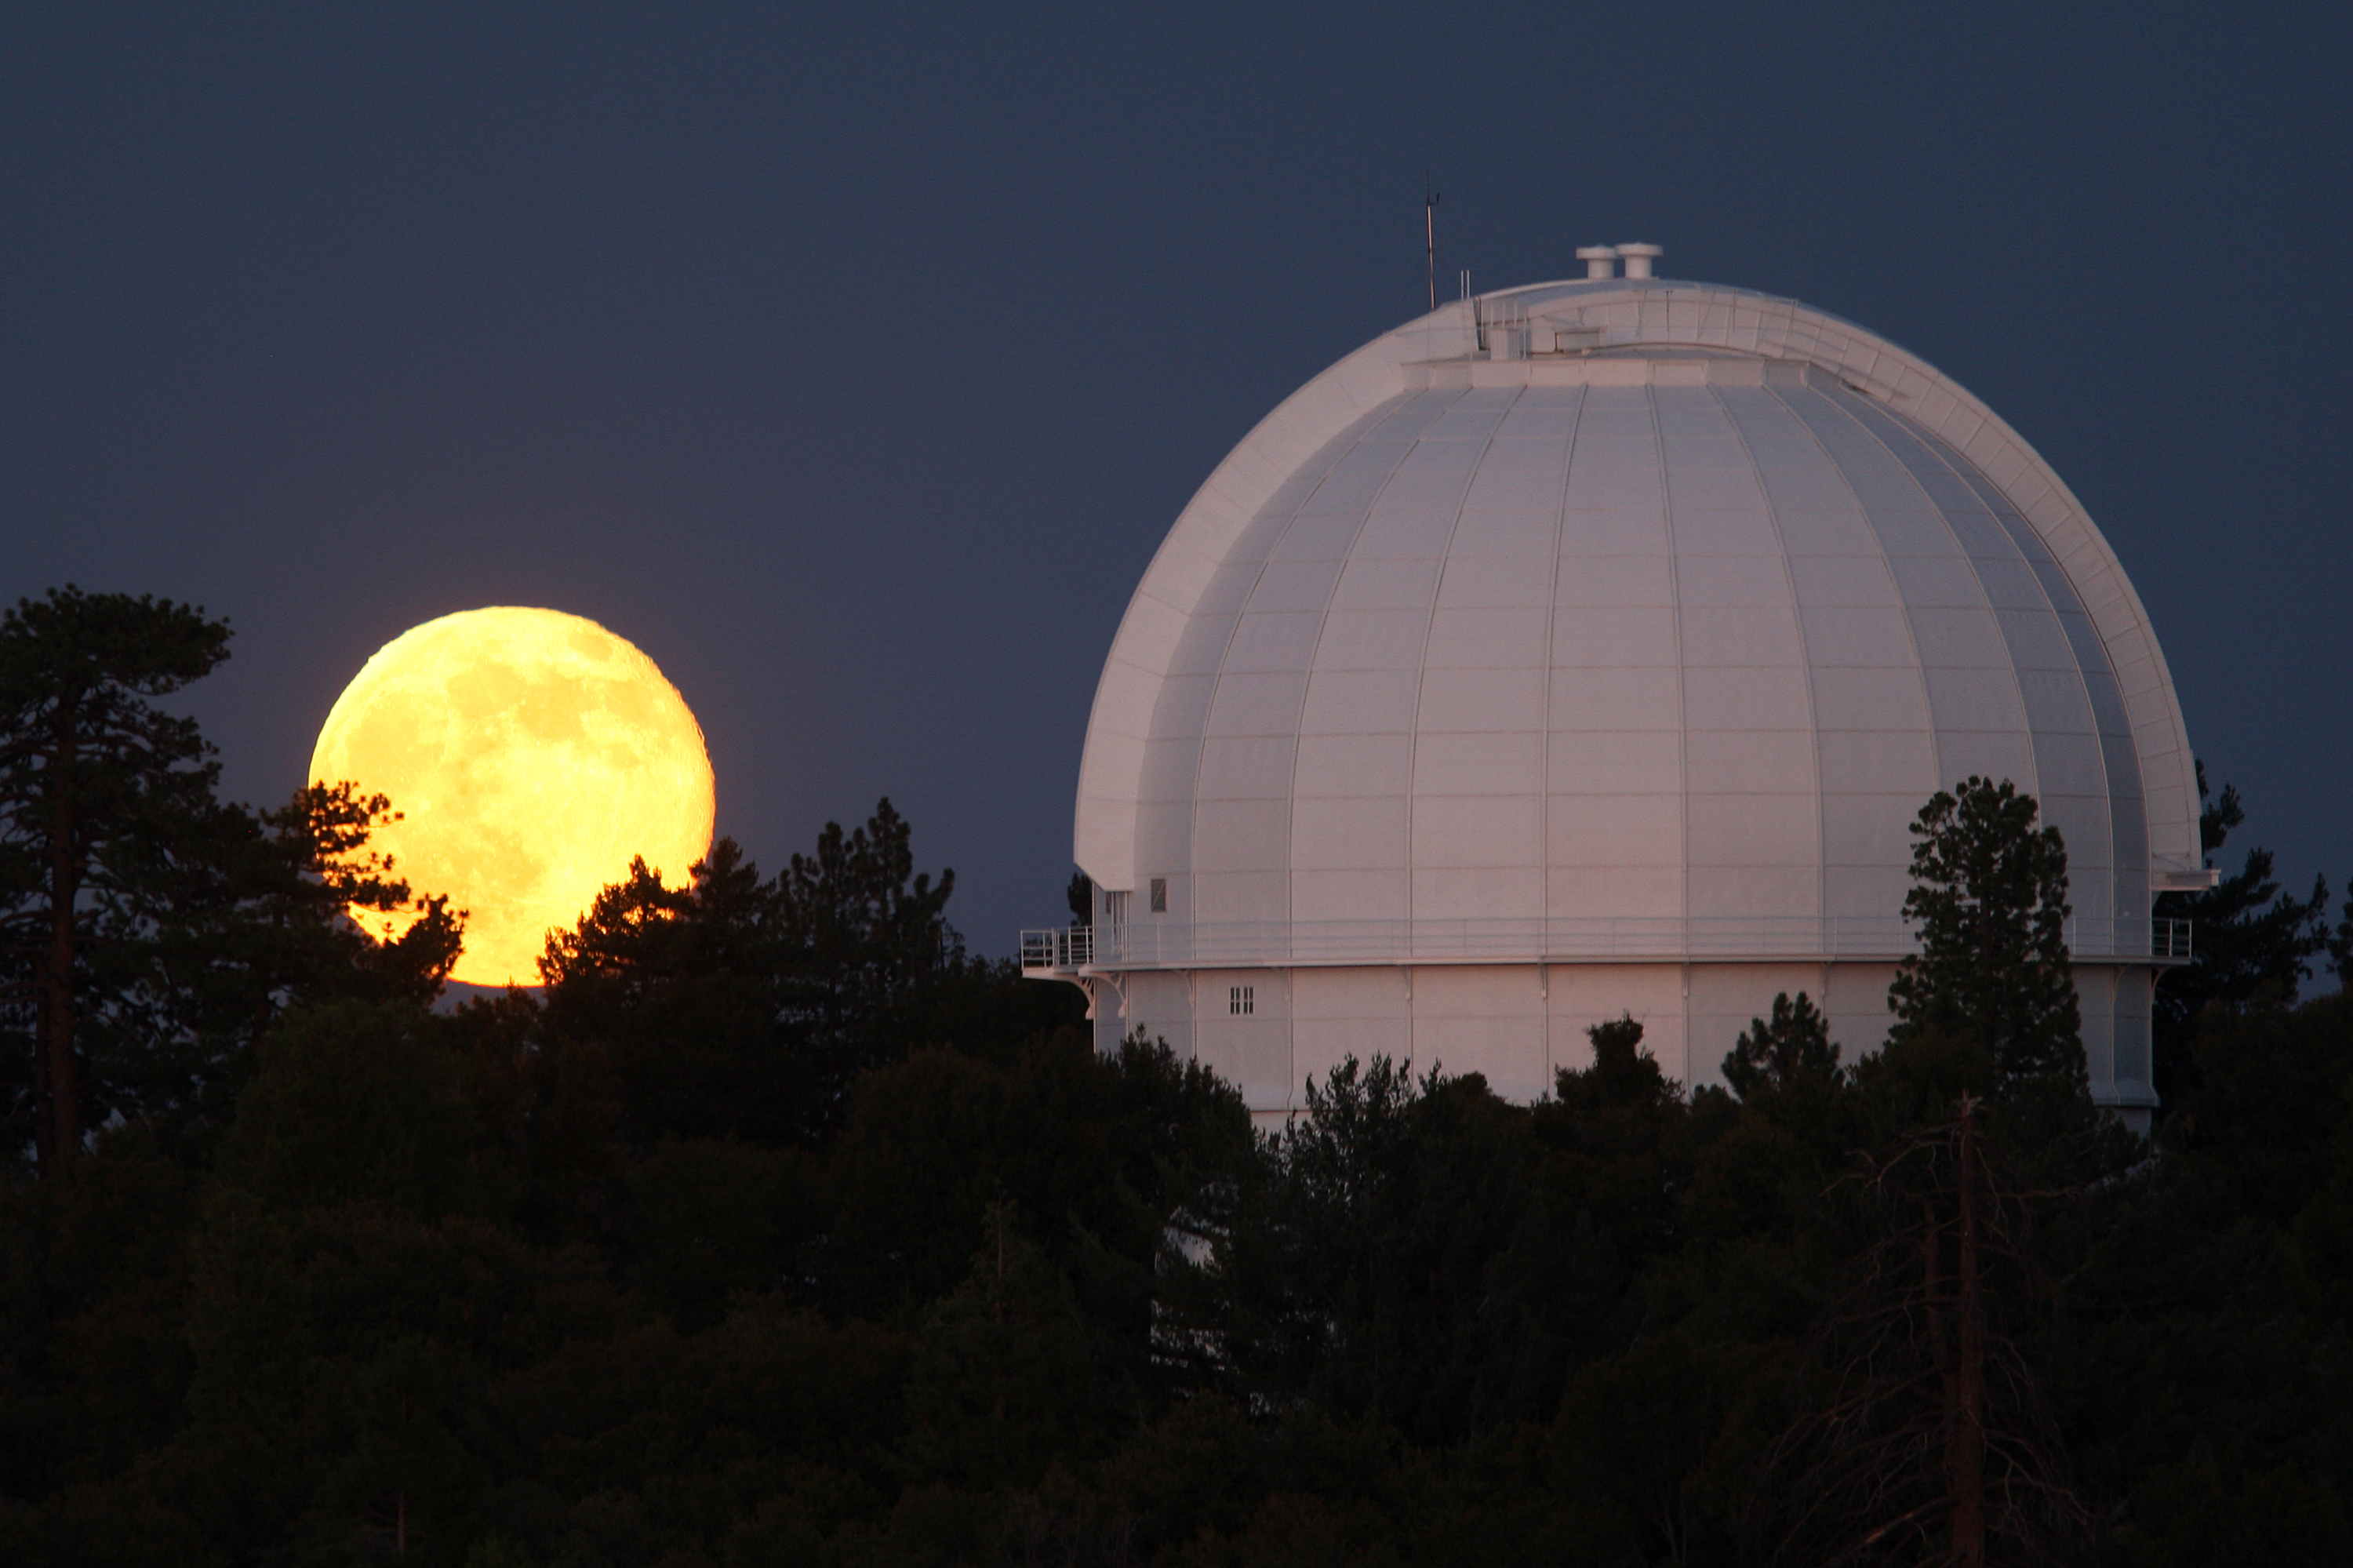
x=1628 y=616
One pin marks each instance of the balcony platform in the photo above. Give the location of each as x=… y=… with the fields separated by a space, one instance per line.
x=1167 y=944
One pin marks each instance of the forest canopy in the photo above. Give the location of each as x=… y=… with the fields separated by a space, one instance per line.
x=776 y=1226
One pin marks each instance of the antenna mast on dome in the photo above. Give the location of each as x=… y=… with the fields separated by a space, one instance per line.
x=1430 y=234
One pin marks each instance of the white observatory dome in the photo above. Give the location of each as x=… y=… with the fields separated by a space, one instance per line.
x=1588 y=648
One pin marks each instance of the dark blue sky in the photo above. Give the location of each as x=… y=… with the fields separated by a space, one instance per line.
x=853 y=363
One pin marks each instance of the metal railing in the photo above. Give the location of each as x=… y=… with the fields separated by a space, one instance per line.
x=1064 y=947
x=2169 y=940
x=1156 y=943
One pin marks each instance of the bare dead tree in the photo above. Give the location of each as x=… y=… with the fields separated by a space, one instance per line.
x=1921 y=1436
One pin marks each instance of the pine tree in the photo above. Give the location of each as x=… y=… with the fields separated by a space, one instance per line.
x=863 y=935
x=2246 y=934
x=1921 y=1433
x=680 y=992
x=312 y=880
x=1796 y=1042
x=150 y=930
x=743 y=1006
x=106 y=802
x=1989 y=904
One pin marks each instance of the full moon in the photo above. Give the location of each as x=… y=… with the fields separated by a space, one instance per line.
x=531 y=754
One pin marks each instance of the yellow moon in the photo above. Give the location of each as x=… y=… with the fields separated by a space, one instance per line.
x=531 y=754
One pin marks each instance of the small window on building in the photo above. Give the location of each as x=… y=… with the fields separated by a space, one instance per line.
x=1241 y=1000
x=1160 y=895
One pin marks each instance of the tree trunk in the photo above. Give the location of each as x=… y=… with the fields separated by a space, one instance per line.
x=45 y=1149
x=1965 y=1432
x=57 y=982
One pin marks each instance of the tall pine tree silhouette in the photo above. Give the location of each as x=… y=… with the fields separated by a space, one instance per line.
x=103 y=794
x=1989 y=904
x=150 y=931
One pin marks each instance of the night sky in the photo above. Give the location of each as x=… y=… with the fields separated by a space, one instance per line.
x=853 y=361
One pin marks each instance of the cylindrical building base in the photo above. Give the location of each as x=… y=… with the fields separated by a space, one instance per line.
x=1270 y=1031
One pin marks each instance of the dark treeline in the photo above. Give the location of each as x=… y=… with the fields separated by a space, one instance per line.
x=774 y=1228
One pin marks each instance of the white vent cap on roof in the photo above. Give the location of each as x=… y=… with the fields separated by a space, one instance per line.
x=1639 y=258
x=1600 y=261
